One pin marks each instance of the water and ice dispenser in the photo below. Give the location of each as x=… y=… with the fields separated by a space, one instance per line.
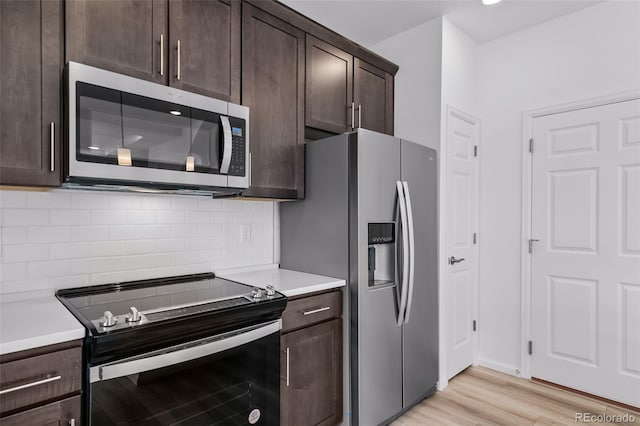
x=382 y=253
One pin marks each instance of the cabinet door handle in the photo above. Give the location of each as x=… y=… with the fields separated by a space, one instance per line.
x=30 y=385
x=288 y=358
x=315 y=311
x=250 y=173
x=359 y=116
x=52 y=141
x=353 y=115
x=161 y=54
x=178 y=64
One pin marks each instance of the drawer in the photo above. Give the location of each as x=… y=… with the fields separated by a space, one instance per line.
x=40 y=378
x=310 y=310
x=65 y=412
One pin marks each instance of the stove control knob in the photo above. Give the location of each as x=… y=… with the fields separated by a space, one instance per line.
x=271 y=291
x=257 y=293
x=134 y=315
x=108 y=320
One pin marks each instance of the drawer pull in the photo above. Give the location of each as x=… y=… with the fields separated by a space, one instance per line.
x=315 y=311
x=30 y=385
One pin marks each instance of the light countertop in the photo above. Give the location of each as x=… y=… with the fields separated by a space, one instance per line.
x=289 y=283
x=33 y=321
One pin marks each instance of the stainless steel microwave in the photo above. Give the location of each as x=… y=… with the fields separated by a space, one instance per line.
x=129 y=134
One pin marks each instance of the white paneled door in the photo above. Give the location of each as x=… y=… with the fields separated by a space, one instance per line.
x=586 y=264
x=461 y=238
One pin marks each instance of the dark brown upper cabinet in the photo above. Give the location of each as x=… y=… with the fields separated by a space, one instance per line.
x=344 y=92
x=373 y=97
x=329 y=82
x=193 y=45
x=126 y=36
x=273 y=89
x=31 y=69
x=208 y=59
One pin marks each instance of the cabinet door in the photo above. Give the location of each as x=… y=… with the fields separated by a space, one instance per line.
x=209 y=37
x=312 y=392
x=273 y=89
x=329 y=85
x=59 y=413
x=373 y=96
x=123 y=36
x=31 y=69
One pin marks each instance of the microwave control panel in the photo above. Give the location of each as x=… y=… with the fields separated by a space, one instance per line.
x=238 y=147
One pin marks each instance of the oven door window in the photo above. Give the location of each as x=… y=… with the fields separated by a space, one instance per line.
x=239 y=386
x=121 y=128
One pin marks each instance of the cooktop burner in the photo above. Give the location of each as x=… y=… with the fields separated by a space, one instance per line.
x=168 y=309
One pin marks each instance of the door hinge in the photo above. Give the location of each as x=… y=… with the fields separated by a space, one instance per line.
x=530 y=347
x=475 y=238
x=475 y=150
x=474 y=325
x=531 y=145
x=531 y=241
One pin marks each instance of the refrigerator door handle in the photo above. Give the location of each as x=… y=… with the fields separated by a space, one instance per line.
x=405 y=253
x=412 y=250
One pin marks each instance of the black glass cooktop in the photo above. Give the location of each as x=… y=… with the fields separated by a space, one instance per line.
x=158 y=300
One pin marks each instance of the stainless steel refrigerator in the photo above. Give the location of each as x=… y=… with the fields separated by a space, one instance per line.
x=370 y=217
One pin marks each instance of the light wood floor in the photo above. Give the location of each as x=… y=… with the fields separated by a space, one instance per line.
x=479 y=396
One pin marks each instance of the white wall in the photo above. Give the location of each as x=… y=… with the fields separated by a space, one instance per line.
x=418 y=53
x=590 y=53
x=459 y=71
x=63 y=238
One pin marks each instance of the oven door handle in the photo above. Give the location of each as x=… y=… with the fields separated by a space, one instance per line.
x=182 y=353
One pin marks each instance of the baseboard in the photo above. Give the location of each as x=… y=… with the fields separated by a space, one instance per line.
x=499 y=366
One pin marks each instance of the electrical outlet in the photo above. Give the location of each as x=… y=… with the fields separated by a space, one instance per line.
x=245 y=233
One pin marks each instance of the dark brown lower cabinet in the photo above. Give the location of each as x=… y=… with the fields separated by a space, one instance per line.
x=65 y=412
x=311 y=390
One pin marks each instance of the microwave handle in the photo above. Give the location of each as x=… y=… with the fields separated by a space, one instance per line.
x=182 y=353
x=226 y=145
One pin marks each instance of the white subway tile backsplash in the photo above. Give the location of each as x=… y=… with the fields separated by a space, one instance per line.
x=24 y=217
x=169 y=216
x=107 y=217
x=69 y=217
x=124 y=232
x=13 y=199
x=61 y=239
x=69 y=250
x=48 y=200
x=24 y=252
x=141 y=217
x=89 y=233
x=13 y=235
x=48 y=234
x=48 y=269
x=89 y=201
x=125 y=201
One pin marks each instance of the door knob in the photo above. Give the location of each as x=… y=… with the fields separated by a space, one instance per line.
x=453 y=260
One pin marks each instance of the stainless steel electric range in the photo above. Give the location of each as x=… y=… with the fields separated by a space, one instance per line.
x=187 y=350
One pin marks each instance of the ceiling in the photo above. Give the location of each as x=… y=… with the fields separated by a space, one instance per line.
x=368 y=22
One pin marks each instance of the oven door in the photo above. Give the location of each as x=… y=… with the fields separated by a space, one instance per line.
x=229 y=379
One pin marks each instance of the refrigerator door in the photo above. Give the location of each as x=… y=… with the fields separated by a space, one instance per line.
x=376 y=337
x=420 y=332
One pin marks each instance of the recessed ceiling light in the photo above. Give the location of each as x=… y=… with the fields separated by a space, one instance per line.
x=95 y=148
x=174 y=112
x=490 y=2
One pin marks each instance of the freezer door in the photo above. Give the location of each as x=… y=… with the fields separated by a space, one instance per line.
x=376 y=337
x=420 y=332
